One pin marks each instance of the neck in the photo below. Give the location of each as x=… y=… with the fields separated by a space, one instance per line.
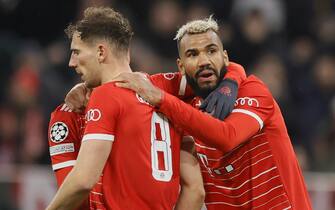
x=112 y=70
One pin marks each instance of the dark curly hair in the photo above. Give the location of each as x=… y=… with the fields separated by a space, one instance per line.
x=103 y=23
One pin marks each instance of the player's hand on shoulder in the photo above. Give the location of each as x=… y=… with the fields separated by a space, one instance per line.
x=77 y=98
x=221 y=101
x=141 y=84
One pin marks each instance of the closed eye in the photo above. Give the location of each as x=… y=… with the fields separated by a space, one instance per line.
x=74 y=51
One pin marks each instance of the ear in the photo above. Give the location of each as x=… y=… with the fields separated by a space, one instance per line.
x=102 y=53
x=128 y=56
x=181 y=67
x=225 y=58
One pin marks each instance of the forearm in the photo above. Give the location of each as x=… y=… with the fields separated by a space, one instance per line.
x=189 y=198
x=224 y=135
x=84 y=175
x=71 y=188
x=192 y=192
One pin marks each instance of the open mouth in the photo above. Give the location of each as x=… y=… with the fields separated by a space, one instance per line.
x=206 y=73
x=206 y=76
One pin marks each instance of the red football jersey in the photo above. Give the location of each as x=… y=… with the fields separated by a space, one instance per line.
x=66 y=129
x=260 y=173
x=142 y=171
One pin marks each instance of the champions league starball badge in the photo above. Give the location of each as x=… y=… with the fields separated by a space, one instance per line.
x=58 y=132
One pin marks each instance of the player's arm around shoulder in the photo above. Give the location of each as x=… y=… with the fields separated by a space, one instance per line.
x=192 y=192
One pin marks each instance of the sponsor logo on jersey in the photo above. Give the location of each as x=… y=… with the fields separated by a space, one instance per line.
x=93 y=115
x=247 y=101
x=61 y=149
x=169 y=76
x=58 y=132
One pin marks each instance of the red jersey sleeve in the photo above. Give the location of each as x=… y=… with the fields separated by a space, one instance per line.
x=235 y=72
x=64 y=137
x=224 y=135
x=102 y=114
x=255 y=100
x=173 y=83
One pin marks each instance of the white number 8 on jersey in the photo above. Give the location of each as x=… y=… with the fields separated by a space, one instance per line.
x=161 y=148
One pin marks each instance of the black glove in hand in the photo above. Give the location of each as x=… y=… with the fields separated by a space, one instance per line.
x=221 y=101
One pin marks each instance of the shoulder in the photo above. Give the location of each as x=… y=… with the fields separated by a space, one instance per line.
x=254 y=86
x=108 y=89
x=166 y=76
x=254 y=92
x=64 y=124
x=63 y=112
x=62 y=108
x=235 y=67
x=109 y=98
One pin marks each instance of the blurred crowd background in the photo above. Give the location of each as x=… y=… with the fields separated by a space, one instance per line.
x=289 y=44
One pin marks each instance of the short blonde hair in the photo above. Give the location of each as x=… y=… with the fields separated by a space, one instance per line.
x=197 y=27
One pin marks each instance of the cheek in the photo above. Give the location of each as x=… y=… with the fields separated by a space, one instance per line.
x=81 y=60
x=218 y=61
x=85 y=61
x=190 y=69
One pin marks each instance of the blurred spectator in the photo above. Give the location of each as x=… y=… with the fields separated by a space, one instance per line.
x=271 y=70
x=252 y=38
x=325 y=29
x=8 y=135
x=144 y=58
x=324 y=74
x=164 y=18
x=272 y=10
x=197 y=10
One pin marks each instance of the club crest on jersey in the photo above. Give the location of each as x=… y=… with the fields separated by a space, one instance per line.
x=247 y=101
x=140 y=99
x=169 y=76
x=93 y=115
x=58 y=132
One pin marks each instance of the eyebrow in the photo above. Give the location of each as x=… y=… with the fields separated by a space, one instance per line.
x=211 y=45
x=74 y=49
x=207 y=46
x=190 y=50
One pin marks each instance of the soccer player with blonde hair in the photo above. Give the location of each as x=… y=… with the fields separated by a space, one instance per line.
x=247 y=160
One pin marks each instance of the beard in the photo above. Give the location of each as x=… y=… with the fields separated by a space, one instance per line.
x=203 y=92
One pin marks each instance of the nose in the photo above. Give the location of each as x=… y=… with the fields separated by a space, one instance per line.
x=72 y=62
x=203 y=60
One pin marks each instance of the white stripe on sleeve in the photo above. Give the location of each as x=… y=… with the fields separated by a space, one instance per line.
x=182 y=86
x=63 y=164
x=259 y=120
x=98 y=136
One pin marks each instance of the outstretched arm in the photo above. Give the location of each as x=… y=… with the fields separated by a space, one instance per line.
x=225 y=135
